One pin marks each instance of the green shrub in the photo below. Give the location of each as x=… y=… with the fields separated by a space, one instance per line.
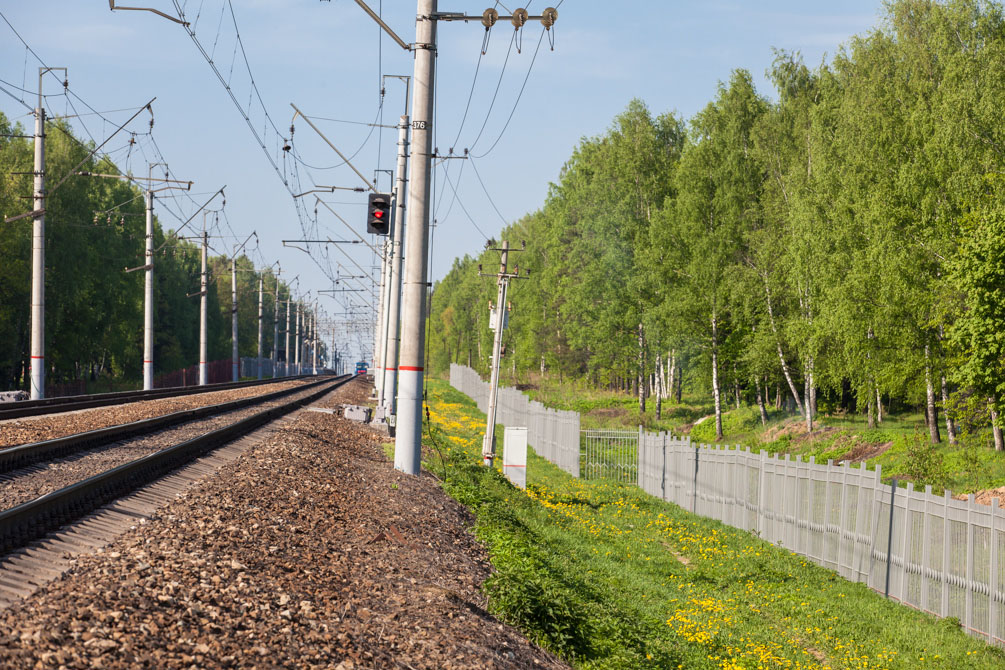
x=923 y=461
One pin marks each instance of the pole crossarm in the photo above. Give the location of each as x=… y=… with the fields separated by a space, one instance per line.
x=95 y=150
x=328 y=241
x=330 y=189
x=141 y=267
x=246 y=240
x=111 y=6
x=387 y=29
x=39 y=212
x=189 y=220
x=130 y=177
x=351 y=229
x=340 y=154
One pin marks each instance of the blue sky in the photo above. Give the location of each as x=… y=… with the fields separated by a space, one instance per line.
x=327 y=57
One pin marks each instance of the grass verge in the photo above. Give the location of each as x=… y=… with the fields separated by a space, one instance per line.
x=609 y=577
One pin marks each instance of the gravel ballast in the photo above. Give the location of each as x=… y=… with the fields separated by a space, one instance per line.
x=310 y=551
x=20 y=486
x=14 y=432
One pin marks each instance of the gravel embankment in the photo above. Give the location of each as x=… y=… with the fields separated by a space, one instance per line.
x=38 y=428
x=310 y=551
x=20 y=486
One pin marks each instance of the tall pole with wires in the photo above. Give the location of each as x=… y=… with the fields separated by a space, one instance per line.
x=314 y=338
x=299 y=314
x=275 y=332
x=408 y=436
x=235 y=362
x=38 y=254
x=286 y=351
x=203 y=348
x=148 y=296
x=498 y=324
x=394 y=305
x=261 y=313
x=378 y=347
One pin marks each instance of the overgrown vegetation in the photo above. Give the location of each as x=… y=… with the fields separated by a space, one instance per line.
x=841 y=245
x=899 y=443
x=611 y=578
x=94 y=311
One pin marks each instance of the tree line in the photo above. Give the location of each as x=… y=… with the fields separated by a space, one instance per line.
x=95 y=229
x=840 y=245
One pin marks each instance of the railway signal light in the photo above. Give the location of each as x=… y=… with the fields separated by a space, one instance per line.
x=378 y=214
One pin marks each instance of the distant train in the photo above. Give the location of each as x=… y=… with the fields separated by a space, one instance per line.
x=361 y=368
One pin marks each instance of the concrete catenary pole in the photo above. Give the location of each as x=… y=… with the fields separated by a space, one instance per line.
x=299 y=341
x=305 y=342
x=286 y=351
x=488 y=442
x=148 y=297
x=235 y=361
x=314 y=337
x=203 y=348
x=378 y=345
x=408 y=438
x=261 y=313
x=275 y=333
x=38 y=257
x=385 y=324
x=394 y=304
x=306 y=359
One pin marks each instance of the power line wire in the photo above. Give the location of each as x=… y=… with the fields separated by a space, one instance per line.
x=492 y=202
x=496 y=93
x=519 y=95
x=465 y=209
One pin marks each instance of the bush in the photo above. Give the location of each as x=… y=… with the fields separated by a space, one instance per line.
x=525 y=592
x=923 y=462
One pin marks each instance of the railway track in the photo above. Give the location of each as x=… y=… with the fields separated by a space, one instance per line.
x=26 y=408
x=167 y=443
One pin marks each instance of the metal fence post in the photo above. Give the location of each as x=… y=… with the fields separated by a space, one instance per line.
x=944 y=572
x=694 y=486
x=905 y=543
x=663 y=470
x=889 y=535
x=968 y=618
x=638 y=460
x=760 y=493
x=993 y=581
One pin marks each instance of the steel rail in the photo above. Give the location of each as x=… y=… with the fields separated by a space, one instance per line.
x=26 y=454
x=26 y=408
x=35 y=518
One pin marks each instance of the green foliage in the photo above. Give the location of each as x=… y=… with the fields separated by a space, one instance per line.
x=525 y=592
x=609 y=577
x=923 y=462
x=736 y=424
x=94 y=311
x=844 y=239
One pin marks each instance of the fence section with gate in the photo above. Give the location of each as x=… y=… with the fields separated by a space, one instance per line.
x=934 y=553
x=609 y=454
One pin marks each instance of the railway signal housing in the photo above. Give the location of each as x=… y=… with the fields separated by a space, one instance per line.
x=378 y=214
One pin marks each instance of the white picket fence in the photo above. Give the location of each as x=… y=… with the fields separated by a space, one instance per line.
x=937 y=554
x=553 y=433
